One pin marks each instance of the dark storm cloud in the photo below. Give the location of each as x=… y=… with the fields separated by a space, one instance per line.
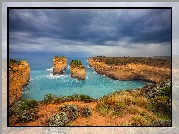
x=88 y=27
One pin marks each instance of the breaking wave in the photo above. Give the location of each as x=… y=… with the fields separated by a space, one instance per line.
x=50 y=69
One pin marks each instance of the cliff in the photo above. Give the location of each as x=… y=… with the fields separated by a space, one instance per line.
x=77 y=70
x=19 y=75
x=60 y=64
x=131 y=69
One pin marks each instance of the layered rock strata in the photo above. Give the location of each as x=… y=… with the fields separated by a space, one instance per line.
x=131 y=71
x=19 y=76
x=77 y=70
x=60 y=64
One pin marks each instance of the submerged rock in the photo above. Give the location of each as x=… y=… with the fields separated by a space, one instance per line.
x=60 y=64
x=19 y=76
x=77 y=70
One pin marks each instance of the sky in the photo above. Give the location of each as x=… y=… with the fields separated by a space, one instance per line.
x=89 y=32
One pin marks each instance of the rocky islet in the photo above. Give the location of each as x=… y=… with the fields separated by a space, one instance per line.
x=77 y=70
x=60 y=64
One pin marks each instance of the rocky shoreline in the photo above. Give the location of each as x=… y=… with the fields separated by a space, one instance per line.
x=130 y=70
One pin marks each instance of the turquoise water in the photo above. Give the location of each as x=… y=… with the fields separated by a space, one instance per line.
x=43 y=81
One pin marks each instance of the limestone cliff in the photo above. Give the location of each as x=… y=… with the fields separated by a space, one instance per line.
x=19 y=76
x=77 y=70
x=60 y=64
x=130 y=71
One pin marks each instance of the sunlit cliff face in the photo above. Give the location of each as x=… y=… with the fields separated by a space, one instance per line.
x=60 y=64
x=19 y=75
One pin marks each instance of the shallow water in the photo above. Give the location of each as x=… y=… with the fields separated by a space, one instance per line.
x=43 y=82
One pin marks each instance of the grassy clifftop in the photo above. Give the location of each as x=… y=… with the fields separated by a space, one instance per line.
x=132 y=68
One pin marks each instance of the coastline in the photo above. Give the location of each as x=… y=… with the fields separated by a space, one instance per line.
x=110 y=105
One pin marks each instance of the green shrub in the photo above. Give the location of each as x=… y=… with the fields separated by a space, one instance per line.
x=12 y=61
x=60 y=119
x=86 y=98
x=166 y=91
x=71 y=111
x=76 y=63
x=59 y=57
x=47 y=99
x=112 y=109
x=27 y=116
x=85 y=112
x=24 y=110
x=139 y=121
x=161 y=104
x=26 y=104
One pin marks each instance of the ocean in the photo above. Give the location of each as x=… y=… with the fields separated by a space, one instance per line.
x=42 y=81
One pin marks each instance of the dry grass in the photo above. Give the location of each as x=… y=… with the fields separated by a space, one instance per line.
x=127 y=104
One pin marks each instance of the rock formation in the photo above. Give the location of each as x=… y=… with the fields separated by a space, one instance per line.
x=130 y=71
x=19 y=76
x=77 y=70
x=60 y=64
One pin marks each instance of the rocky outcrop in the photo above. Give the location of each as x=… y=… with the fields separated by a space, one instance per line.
x=60 y=64
x=131 y=71
x=19 y=76
x=77 y=70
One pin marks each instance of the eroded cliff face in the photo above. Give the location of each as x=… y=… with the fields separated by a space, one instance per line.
x=60 y=64
x=78 y=73
x=77 y=70
x=130 y=71
x=19 y=76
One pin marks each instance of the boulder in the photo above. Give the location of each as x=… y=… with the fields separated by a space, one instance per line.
x=60 y=64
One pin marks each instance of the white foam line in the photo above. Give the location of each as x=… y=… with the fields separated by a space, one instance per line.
x=51 y=76
x=50 y=69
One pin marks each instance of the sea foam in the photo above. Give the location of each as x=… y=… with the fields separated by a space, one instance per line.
x=50 y=69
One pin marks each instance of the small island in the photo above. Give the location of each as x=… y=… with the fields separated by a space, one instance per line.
x=19 y=76
x=77 y=70
x=60 y=64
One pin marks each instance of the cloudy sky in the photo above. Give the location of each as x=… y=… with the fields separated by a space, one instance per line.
x=89 y=32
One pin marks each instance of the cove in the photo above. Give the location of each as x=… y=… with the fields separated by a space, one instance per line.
x=43 y=81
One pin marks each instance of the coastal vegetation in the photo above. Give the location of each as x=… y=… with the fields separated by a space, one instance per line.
x=76 y=63
x=147 y=106
x=152 y=61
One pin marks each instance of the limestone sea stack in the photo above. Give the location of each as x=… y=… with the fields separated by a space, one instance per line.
x=77 y=70
x=19 y=76
x=60 y=64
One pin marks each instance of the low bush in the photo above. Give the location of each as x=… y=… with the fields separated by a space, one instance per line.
x=24 y=110
x=52 y=99
x=25 y=104
x=86 y=98
x=162 y=104
x=85 y=112
x=71 y=111
x=76 y=63
x=67 y=114
x=60 y=119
